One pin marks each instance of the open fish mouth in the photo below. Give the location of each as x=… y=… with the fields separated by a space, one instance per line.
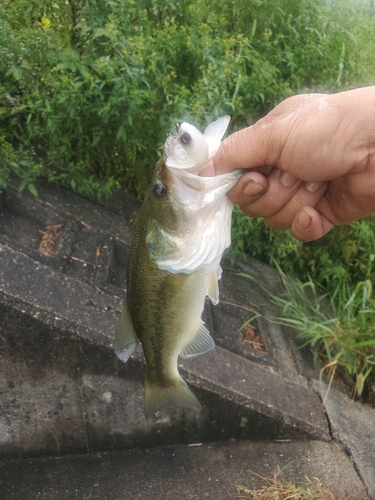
x=203 y=198
x=188 y=149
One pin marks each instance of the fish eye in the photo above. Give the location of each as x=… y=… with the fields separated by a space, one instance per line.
x=159 y=189
x=185 y=138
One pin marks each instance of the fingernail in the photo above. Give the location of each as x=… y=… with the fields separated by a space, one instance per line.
x=288 y=180
x=313 y=187
x=253 y=188
x=304 y=219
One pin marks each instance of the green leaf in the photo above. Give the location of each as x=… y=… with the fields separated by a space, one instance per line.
x=369 y=289
x=99 y=32
x=121 y=134
x=32 y=189
x=365 y=343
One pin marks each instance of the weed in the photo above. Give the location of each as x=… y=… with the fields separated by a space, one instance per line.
x=338 y=259
x=277 y=488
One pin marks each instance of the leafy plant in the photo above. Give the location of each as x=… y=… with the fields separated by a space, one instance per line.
x=339 y=259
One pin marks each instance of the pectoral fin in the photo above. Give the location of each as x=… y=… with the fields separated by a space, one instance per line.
x=126 y=339
x=201 y=343
x=159 y=243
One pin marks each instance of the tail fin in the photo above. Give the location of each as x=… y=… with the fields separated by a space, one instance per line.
x=157 y=398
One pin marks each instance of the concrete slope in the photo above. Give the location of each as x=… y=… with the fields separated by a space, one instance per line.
x=63 y=391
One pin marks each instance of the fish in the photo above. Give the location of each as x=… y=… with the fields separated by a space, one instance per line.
x=181 y=232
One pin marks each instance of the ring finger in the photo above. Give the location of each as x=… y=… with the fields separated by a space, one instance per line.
x=308 y=194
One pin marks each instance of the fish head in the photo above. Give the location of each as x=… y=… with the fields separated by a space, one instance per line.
x=163 y=206
x=166 y=214
x=188 y=216
x=188 y=149
x=175 y=192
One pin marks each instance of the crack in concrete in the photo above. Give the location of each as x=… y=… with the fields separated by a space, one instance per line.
x=338 y=442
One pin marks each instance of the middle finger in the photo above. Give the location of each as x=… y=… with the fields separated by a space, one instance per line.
x=281 y=188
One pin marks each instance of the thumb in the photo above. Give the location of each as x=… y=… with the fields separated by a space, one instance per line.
x=247 y=148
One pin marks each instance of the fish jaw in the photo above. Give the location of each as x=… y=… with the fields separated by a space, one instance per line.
x=189 y=149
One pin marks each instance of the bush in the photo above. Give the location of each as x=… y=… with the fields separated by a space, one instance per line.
x=340 y=258
x=90 y=88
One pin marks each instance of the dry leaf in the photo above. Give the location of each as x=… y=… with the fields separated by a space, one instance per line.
x=47 y=244
x=251 y=338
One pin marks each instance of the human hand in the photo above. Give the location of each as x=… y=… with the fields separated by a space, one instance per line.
x=312 y=162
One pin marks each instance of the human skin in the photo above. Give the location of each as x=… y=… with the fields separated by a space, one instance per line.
x=312 y=161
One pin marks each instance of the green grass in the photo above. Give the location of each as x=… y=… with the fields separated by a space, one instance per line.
x=342 y=256
x=339 y=328
x=337 y=270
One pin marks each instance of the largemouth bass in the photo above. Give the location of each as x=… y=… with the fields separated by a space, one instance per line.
x=181 y=233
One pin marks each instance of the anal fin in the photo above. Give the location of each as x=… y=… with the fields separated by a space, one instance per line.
x=126 y=339
x=213 y=286
x=201 y=343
